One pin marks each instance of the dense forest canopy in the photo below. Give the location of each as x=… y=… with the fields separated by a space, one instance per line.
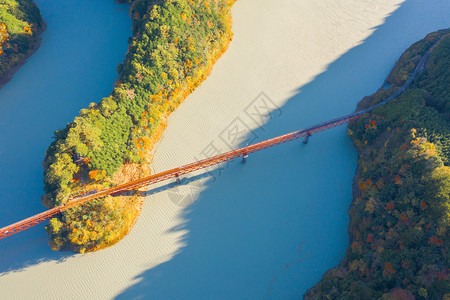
x=20 y=25
x=174 y=46
x=400 y=215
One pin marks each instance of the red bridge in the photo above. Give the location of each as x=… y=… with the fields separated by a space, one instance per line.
x=218 y=159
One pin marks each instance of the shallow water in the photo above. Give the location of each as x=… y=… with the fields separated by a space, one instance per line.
x=269 y=228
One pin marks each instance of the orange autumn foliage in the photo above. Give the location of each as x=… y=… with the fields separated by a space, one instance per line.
x=93 y=174
x=368 y=183
x=27 y=29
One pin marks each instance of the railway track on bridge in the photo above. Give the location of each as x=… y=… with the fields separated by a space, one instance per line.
x=215 y=160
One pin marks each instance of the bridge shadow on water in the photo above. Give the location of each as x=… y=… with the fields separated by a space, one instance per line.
x=17 y=256
x=273 y=226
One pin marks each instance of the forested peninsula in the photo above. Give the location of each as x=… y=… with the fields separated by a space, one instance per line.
x=173 y=49
x=400 y=214
x=20 y=27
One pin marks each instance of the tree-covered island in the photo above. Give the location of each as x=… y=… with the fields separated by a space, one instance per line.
x=174 y=46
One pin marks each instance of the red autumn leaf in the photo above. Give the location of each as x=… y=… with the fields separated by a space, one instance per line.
x=435 y=241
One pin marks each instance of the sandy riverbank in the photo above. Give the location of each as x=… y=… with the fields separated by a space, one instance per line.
x=229 y=243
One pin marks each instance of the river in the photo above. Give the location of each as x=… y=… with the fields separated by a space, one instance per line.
x=269 y=228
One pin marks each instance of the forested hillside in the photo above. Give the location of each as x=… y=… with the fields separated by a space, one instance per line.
x=400 y=214
x=173 y=49
x=20 y=26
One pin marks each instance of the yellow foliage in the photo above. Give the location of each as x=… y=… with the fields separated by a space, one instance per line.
x=174 y=74
x=189 y=63
x=3 y=36
x=147 y=143
x=154 y=13
x=429 y=148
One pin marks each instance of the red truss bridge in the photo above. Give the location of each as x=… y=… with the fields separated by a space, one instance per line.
x=215 y=160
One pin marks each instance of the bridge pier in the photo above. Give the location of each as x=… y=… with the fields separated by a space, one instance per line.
x=306 y=139
x=244 y=158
